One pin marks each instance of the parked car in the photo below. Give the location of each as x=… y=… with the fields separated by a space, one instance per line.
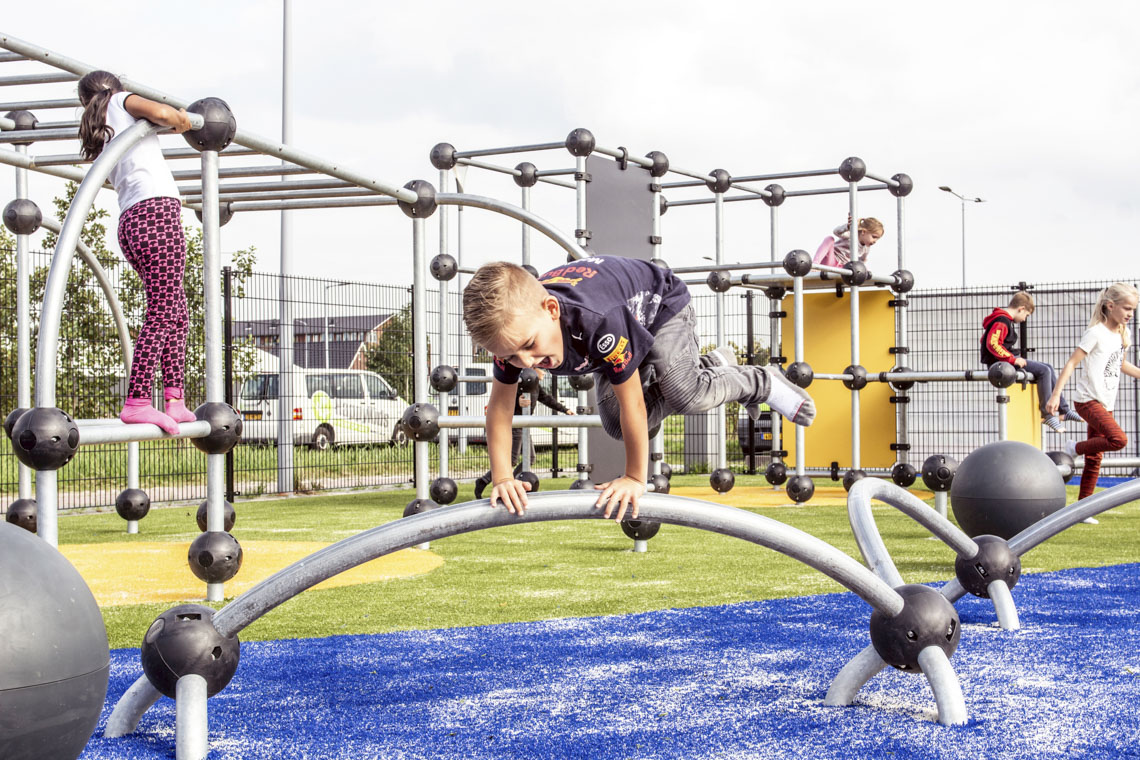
x=761 y=429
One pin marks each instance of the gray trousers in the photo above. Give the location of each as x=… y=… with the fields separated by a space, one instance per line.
x=673 y=380
x=1046 y=378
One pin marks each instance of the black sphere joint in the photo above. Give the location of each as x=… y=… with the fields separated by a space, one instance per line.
x=904 y=281
x=904 y=187
x=225 y=213
x=719 y=281
x=776 y=292
x=800 y=488
x=995 y=561
x=660 y=483
x=640 y=530
x=583 y=484
x=776 y=195
x=225 y=427
x=938 y=472
x=900 y=385
x=10 y=420
x=859 y=377
x=852 y=169
x=421 y=422
x=927 y=619
x=797 y=263
x=416 y=506
x=856 y=274
x=1062 y=460
x=132 y=504
x=719 y=181
x=443 y=490
x=183 y=641
x=442 y=156
x=45 y=438
x=580 y=142
x=1002 y=374
x=229 y=516
x=22 y=216
x=662 y=205
x=444 y=267
x=23 y=514
x=527 y=174
x=424 y=205
x=776 y=473
x=903 y=475
x=582 y=382
x=219 y=129
x=667 y=470
x=526 y=476
x=528 y=381
x=660 y=163
x=215 y=556
x=25 y=120
x=722 y=480
x=800 y=373
x=851 y=477
x=444 y=378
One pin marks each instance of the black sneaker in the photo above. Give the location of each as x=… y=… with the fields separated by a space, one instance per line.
x=481 y=484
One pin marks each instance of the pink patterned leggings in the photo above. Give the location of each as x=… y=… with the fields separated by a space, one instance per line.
x=151 y=237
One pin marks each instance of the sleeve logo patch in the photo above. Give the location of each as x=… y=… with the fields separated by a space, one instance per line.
x=620 y=357
x=606 y=343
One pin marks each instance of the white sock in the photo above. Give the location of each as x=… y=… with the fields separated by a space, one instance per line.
x=788 y=399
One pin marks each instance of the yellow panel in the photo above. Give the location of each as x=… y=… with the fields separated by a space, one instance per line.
x=1023 y=417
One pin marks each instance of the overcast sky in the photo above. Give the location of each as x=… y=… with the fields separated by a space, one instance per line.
x=1032 y=106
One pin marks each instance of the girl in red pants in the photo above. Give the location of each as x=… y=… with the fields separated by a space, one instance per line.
x=1102 y=349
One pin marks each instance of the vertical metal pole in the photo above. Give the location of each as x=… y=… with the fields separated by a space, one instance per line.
x=721 y=433
x=902 y=426
x=212 y=279
x=228 y=334
x=798 y=330
x=1002 y=405
x=524 y=449
x=465 y=347
x=853 y=198
x=23 y=328
x=285 y=298
x=963 y=242
x=750 y=461
x=328 y=363
x=191 y=719
x=444 y=318
x=775 y=338
x=657 y=445
x=583 y=396
x=420 y=347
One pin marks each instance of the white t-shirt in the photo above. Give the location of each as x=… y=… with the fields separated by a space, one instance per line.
x=142 y=172
x=1105 y=350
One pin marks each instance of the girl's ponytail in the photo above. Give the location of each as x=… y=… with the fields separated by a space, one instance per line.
x=1114 y=293
x=95 y=91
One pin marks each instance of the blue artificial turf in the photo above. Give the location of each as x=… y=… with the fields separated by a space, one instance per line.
x=736 y=681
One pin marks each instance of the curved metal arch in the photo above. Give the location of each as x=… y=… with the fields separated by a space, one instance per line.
x=569 y=244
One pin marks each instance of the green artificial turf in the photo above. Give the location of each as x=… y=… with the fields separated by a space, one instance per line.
x=565 y=568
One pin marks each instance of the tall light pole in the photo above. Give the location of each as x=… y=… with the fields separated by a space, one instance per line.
x=963 y=199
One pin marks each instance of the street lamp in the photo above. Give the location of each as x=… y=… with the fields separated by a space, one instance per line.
x=962 y=198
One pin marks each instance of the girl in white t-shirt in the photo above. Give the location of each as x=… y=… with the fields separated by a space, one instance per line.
x=1102 y=349
x=151 y=237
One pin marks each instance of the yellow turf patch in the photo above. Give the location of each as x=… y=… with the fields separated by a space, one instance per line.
x=136 y=573
x=766 y=496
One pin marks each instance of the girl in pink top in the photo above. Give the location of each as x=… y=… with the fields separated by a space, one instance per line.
x=836 y=251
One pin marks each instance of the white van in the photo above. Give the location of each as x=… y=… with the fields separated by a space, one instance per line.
x=332 y=407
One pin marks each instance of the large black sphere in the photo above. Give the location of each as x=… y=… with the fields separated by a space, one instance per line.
x=904 y=474
x=54 y=660
x=10 y=420
x=660 y=163
x=722 y=480
x=1002 y=374
x=719 y=181
x=900 y=385
x=526 y=476
x=800 y=488
x=995 y=561
x=225 y=427
x=851 y=477
x=527 y=174
x=776 y=473
x=800 y=373
x=856 y=274
x=442 y=156
x=640 y=530
x=23 y=514
x=1004 y=487
x=904 y=187
x=416 y=506
x=660 y=483
x=215 y=556
x=927 y=619
x=421 y=422
x=852 y=169
x=444 y=378
x=582 y=382
x=938 y=472
x=229 y=516
x=45 y=438
x=220 y=126
x=528 y=380
x=797 y=263
x=22 y=216
x=443 y=490
x=132 y=504
x=904 y=281
x=183 y=641
x=859 y=377
x=424 y=205
x=580 y=142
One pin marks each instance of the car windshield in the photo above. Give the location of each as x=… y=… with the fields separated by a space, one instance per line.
x=260 y=386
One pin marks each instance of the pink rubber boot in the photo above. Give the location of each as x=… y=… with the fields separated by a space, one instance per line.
x=139 y=411
x=176 y=406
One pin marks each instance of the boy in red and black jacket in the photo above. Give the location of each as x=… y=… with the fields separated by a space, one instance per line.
x=998 y=343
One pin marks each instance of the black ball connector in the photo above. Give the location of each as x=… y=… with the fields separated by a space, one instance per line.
x=580 y=142
x=442 y=156
x=995 y=561
x=927 y=619
x=938 y=472
x=904 y=187
x=416 y=506
x=531 y=270
x=776 y=473
x=219 y=129
x=45 y=438
x=1062 y=459
x=800 y=488
x=526 y=476
x=443 y=490
x=776 y=292
x=776 y=195
x=659 y=482
x=903 y=475
x=215 y=556
x=1002 y=374
x=660 y=264
x=225 y=427
x=421 y=422
x=10 y=420
x=904 y=281
x=225 y=213
x=719 y=281
x=183 y=641
x=722 y=480
x=132 y=504
x=797 y=263
x=582 y=382
x=719 y=181
x=859 y=377
x=424 y=205
x=640 y=530
x=229 y=516
x=22 y=216
x=667 y=470
x=800 y=373
x=444 y=378
x=527 y=174
x=660 y=165
x=900 y=385
x=444 y=267
x=584 y=484
x=25 y=120
x=851 y=477
x=662 y=205
x=22 y=513
x=856 y=274
x=852 y=169
x=528 y=381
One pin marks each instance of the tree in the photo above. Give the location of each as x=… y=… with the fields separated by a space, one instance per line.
x=392 y=355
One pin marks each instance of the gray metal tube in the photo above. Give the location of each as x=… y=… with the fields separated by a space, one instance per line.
x=510 y=149
x=944 y=683
x=524 y=449
x=22 y=79
x=1047 y=527
x=1003 y=605
x=286 y=391
x=191 y=724
x=798 y=332
x=136 y=700
x=114 y=431
x=13 y=158
x=420 y=347
x=23 y=327
x=902 y=411
x=721 y=433
x=39 y=105
x=444 y=318
x=47 y=506
x=853 y=291
x=1003 y=424
x=447 y=421
x=775 y=339
x=568 y=244
x=215 y=391
x=832 y=190
x=542 y=177
x=583 y=396
x=861 y=669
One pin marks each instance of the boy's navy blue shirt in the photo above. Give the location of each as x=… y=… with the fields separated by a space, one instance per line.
x=610 y=309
